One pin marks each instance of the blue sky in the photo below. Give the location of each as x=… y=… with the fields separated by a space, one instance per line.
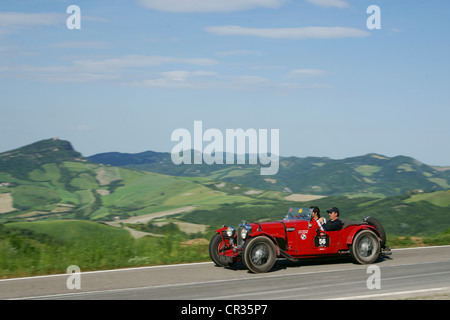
x=139 y=69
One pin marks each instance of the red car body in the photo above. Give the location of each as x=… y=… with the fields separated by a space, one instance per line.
x=297 y=236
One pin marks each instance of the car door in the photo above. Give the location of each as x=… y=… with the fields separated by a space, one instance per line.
x=290 y=227
x=326 y=241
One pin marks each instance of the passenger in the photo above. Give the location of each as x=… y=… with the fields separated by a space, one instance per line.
x=334 y=224
x=315 y=217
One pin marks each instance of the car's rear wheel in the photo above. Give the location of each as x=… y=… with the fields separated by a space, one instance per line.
x=365 y=248
x=259 y=254
x=215 y=246
x=377 y=224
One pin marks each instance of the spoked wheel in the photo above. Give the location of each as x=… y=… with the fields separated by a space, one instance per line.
x=215 y=246
x=259 y=254
x=365 y=248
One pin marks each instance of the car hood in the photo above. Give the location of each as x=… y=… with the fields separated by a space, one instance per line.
x=278 y=228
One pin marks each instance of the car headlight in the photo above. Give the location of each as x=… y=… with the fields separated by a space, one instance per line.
x=244 y=233
x=230 y=231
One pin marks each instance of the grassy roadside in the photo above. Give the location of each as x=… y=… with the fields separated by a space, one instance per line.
x=41 y=248
x=409 y=241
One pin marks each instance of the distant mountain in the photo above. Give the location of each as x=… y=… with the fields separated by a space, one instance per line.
x=368 y=175
x=49 y=180
x=125 y=159
x=22 y=160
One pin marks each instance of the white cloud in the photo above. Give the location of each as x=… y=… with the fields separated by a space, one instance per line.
x=12 y=22
x=176 y=79
x=294 y=86
x=307 y=72
x=124 y=67
x=60 y=74
x=289 y=33
x=29 y=19
x=158 y=83
x=16 y=22
x=237 y=53
x=181 y=79
x=81 y=45
x=329 y=3
x=136 y=61
x=209 y=5
x=182 y=75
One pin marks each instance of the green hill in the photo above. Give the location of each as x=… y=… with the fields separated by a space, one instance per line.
x=49 y=180
x=21 y=161
x=48 y=192
x=58 y=183
x=370 y=175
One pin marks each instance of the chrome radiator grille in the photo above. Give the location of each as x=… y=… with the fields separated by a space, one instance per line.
x=240 y=241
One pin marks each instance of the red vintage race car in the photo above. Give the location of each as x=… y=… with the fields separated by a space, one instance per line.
x=258 y=245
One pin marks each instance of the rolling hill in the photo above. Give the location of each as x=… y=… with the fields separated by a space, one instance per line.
x=50 y=180
x=55 y=204
x=370 y=175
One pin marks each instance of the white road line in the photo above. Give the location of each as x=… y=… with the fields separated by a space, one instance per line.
x=256 y=277
x=379 y=295
x=106 y=271
x=302 y=289
x=418 y=248
x=172 y=266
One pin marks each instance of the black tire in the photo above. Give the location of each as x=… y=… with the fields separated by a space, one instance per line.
x=365 y=248
x=374 y=222
x=259 y=254
x=214 y=252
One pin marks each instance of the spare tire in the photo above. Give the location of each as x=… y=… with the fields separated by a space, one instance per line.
x=379 y=227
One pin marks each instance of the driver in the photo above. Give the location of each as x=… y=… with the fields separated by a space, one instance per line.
x=334 y=224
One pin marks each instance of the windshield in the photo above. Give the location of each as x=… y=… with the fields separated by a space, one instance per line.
x=299 y=213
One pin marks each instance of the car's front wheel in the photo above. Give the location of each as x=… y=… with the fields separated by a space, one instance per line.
x=259 y=254
x=215 y=246
x=365 y=248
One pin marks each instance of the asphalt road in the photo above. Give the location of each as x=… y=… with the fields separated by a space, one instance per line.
x=407 y=273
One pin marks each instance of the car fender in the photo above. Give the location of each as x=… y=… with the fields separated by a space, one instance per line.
x=221 y=231
x=263 y=234
x=352 y=234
